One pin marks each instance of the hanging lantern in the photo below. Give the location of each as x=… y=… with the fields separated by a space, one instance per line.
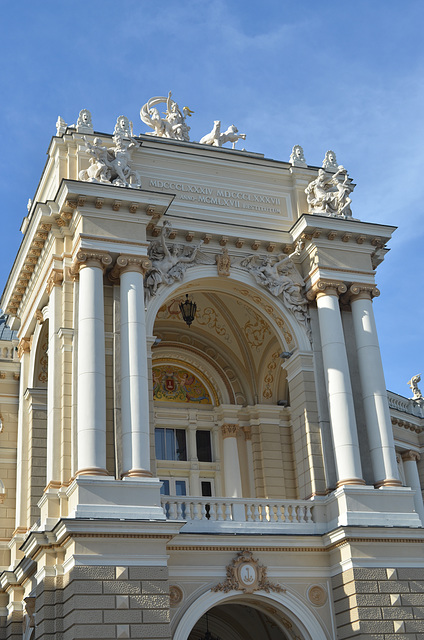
x=188 y=310
x=208 y=635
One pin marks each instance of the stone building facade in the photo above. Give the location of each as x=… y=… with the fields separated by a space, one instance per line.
x=246 y=475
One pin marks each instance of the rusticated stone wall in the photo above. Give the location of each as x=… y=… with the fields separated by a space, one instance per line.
x=379 y=604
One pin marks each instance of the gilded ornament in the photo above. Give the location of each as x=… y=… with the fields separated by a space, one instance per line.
x=245 y=574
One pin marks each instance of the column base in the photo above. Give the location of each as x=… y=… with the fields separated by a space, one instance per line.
x=92 y=471
x=388 y=482
x=135 y=498
x=137 y=473
x=350 y=481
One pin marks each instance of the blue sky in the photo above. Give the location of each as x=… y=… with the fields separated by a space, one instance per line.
x=341 y=76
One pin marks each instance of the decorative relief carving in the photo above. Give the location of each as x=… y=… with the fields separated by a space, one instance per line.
x=245 y=574
x=229 y=430
x=270 y=310
x=43 y=368
x=168 y=264
x=317 y=595
x=223 y=262
x=54 y=280
x=329 y=194
x=269 y=376
x=281 y=278
x=175 y=595
x=255 y=329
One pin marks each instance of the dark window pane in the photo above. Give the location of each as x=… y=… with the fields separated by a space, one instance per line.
x=180 y=487
x=170 y=445
x=160 y=444
x=164 y=490
x=206 y=489
x=203 y=443
x=181 y=452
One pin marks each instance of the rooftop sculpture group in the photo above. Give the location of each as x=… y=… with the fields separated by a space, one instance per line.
x=329 y=194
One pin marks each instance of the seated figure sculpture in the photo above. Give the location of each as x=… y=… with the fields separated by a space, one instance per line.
x=330 y=194
x=111 y=166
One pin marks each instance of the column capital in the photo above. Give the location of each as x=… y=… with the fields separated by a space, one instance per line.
x=360 y=291
x=247 y=433
x=411 y=456
x=229 y=430
x=24 y=346
x=326 y=287
x=55 y=279
x=125 y=263
x=89 y=258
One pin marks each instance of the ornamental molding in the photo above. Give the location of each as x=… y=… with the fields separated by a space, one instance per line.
x=125 y=263
x=244 y=573
x=411 y=456
x=229 y=430
x=55 y=279
x=24 y=346
x=85 y=258
x=317 y=595
x=321 y=286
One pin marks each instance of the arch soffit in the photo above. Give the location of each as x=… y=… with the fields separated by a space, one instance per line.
x=287 y=603
x=197 y=277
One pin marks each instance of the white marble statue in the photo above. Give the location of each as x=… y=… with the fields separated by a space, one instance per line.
x=173 y=125
x=330 y=162
x=216 y=139
x=330 y=194
x=168 y=264
x=297 y=156
x=60 y=126
x=84 y=122
x=280 y=276
x=123 y=127
x=413 y=383
x=111 y=166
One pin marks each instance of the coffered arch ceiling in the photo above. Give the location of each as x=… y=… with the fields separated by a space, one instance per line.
x=232 y=338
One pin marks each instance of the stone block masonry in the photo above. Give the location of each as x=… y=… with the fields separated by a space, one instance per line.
x=379 y=603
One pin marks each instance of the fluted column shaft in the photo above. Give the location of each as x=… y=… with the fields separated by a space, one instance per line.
x=91 y=368
x=410 y=459
x=134 y=371
x=373 y=386
x=339 y=389
x=232 y=473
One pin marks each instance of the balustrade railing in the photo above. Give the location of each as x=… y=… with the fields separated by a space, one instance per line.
x=216 y=513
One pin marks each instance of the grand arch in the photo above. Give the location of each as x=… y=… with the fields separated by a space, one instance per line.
x=295 y=620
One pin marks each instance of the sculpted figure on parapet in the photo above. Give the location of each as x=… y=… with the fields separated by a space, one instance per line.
x=168 y=263
x=216 y=139
x=330 y=194
x=173 y=125
x=413 y=384
x=111 y=166
x=280 y=276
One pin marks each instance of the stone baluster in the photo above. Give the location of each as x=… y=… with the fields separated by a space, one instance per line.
x=134 y=371
x=91 y=363
x=338 y=384
x=373 y=386
x=412 y=478
x=232 y=475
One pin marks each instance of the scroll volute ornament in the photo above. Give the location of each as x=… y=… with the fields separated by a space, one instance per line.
x=24 y=346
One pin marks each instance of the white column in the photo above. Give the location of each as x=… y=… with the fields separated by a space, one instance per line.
x=373 y=386
x=54 y=382
x=339 y=389
x=232 y=476
x=250 y=467
x=410 y=459
x=134 y=370
x=91 y=366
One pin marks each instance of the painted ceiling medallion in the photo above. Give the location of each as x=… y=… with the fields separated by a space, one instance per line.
x=247 y=575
